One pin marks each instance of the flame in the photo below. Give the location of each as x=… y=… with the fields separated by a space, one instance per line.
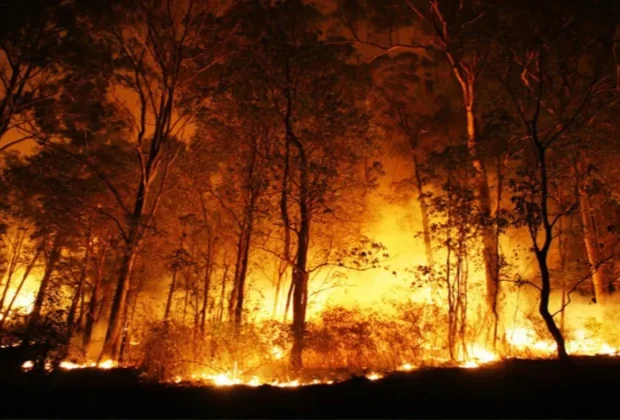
x=406 y=367
x=277 y=352
x=24 y=301
x=228 y=379
x=68 y=365
x=372 y=285
x=481 y=355
x=470 y=364
x=523 y=339
x=374 y=376
x=106 y=364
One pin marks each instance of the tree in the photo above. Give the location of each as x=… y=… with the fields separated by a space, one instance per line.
x=555 y=97
x=41 y=43
x=459 y=33
x=317 y=96
x=157 y=61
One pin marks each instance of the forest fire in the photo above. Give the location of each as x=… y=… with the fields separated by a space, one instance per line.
x=524 y=340
x=297 y=193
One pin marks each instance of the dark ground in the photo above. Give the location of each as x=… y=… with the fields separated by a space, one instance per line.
x=512 y=389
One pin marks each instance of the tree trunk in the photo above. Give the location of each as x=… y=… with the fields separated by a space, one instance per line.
x=112 y=342
x=562 y=245
x=543 y=252
x=598 y=270
x=489 y=241
x=29 y=268
x=300 y=301
x=232 y=302
x=53 y=258
x=173 y=284
x=124 y=340
x=300 y=273
x=187 y=290
x=223 y=293
x=286 y=222
x=240 y=295
x=497 y=232
x=426 y=229
x=244 y=243
x=12 y=265
x=80 y=288
x=545 y=292
x=279 y=279
x=207 y=285
x=93 y=303
x=289 y=297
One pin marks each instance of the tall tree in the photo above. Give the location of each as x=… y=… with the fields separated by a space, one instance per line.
x=169 y=47
x=318 y=97
x=556 y=95
x=459 y=33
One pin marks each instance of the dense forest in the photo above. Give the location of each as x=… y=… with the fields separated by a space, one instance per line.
x=257 y=188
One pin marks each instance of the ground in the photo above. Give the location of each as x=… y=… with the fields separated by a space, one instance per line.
x=511 y=389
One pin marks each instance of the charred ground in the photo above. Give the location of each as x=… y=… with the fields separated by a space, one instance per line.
x=510 y=389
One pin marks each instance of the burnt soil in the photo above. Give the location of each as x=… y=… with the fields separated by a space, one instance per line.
x=511 y=389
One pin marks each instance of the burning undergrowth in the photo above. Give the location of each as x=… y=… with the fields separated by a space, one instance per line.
x=340 y=344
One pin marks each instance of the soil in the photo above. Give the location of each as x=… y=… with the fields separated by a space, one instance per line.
x=510 y=389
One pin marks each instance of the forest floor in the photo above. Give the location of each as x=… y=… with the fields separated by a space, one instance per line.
x=510 y=389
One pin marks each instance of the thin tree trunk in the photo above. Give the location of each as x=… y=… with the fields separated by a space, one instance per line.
x=112 y=342
x=133 y=240
x=598 y=271
x=80 y=318
x=232 y=302
x=125 y=334
x=187 y=290
x=426 y=229
x=248 y=226
x=300 y=273
x=53 y=258
x=498 y=208
x=466 y=80
x=207 y=285
x=93 y=303
x=80 y=288
x=289 y=297
x=223 y=293
x=562 y=249
x=280 y=277
x=170 y=295
x=542 y=252
x=286 y=222
x=129 y=319
x=451 y=308
x=15 y=254
x=543 y=308
x=242 y=278
x=29 y=268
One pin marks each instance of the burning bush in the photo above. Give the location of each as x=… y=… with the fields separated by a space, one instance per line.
x=170 y=350
x=356 y=339
x=165 y=347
